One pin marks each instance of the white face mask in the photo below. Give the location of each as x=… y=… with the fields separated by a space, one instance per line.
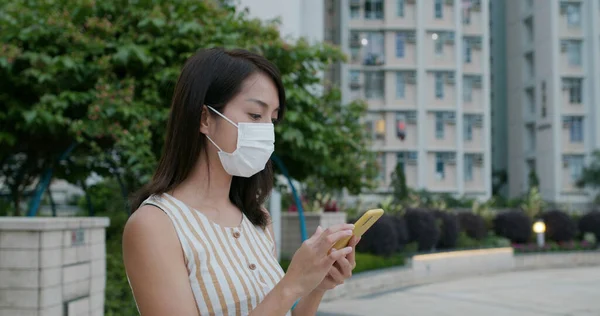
x=255 y=144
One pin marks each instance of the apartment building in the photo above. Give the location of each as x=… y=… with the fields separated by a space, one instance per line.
x=423 y=68
x=553 y=94
x=498 y=97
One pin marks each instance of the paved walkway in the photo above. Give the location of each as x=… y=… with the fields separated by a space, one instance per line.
x=564 y=292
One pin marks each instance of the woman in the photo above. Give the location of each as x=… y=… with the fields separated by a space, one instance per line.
x=200 y=242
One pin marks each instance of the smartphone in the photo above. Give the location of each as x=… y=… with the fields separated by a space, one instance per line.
x=361 y=226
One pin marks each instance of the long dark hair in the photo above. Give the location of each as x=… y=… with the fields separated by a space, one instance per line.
x=211 y=77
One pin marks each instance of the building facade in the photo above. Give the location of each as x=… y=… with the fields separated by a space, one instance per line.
x=498 y=97
x=553 y=94
x=423 y=68
x=299 y=18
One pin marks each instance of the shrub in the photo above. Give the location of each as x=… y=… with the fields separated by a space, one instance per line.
x=449 y=229
x=553 y=246
x=590 y=223
x=366 y=262
x=422 y=228
x=514 y=225
x=401 y=231
x=381 y=239
x=473 y=225
x=107 y=201
x=466 y=242
x=559 y=226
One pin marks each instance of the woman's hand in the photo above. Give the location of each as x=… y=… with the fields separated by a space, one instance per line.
x=341 y=269
x=311 y=263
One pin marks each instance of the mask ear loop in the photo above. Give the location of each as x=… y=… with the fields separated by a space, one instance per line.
x=224 y=117
x=221 y=115
x=219 y=148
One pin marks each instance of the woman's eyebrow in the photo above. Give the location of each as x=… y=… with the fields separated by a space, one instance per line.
x=261 y=103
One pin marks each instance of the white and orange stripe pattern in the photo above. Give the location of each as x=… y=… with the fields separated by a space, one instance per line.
x=231 y=269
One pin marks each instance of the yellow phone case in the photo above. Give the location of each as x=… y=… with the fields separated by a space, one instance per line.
x=361 y=226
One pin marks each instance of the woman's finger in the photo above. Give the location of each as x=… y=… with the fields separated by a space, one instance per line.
x=344 y=266
x=336 y=275
x=335 y=254
x=332 y=234
x=352 y=256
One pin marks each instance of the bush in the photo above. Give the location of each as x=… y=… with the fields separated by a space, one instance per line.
x=449 y=229
x=553 y=246
x=560 y=226
x=514 y=225
x=590 y=223
x=473 y=225
x=401 y=231
x=490 y=241
x=108 y=201
x=422 y=228
x=366 y=262
x=381 y=239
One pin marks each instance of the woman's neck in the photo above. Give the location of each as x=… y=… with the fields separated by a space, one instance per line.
x=206 y=185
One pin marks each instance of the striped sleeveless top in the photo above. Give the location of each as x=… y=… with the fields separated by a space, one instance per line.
x=231 y=269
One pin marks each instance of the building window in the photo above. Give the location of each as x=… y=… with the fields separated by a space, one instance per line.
x=439 y=85
x=575 y=92
x=374 y=9
x=438 y=45
x=575 y=87
x=440 y=166
x=543 y=98
x=468 y=128
x=439 y=9
x=466 y=11
x=401 y=160
x=469 y=168
x=401 y=125
x=355 y=76
x=575 y=124
x=380 y=128
x=467 y=89
x=576 y=165
x=574 y=15
x=467 y=52
x=439 y=125
x=400 y=85
x=374 y=48
x=530 y=94
x=400 y=8
x=374 y=84
x=354 y=12
x=574 y=52
x=400 y=40
x=406 y=157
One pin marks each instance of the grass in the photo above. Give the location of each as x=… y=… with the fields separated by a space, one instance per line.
x=367 y=262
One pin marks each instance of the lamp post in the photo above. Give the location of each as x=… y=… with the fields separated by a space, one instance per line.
x=539 y=228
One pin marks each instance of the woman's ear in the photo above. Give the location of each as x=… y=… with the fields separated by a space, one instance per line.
x=204 y=120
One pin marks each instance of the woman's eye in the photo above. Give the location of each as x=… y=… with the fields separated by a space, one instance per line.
x=256 y=117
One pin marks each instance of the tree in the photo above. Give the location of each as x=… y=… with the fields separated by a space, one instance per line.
x=590 y=177
x=533 y=203
x=534 y=182
x=100 y=74
x=399 y=184
x=499 y=181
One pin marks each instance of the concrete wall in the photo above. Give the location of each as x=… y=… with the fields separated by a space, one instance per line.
x=52 y=266
x=290 y=228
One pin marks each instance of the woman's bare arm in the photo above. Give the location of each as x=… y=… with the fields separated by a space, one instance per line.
x=155 y=265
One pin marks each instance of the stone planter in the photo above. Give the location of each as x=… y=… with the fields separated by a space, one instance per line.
x=290 y=228
x=52 y=266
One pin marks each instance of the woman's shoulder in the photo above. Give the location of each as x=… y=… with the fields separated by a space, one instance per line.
x=142 y=225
